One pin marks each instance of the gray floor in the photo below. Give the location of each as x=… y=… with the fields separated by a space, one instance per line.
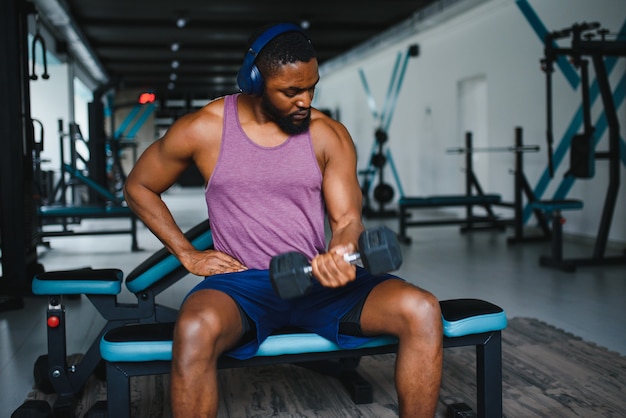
x=588 y=303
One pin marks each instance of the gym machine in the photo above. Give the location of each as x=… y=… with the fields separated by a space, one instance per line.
x=18 y=226
x=88 y=198
x=588 y=42
x=383 y=192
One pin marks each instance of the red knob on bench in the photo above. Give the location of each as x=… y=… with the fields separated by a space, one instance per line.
x=53 y=321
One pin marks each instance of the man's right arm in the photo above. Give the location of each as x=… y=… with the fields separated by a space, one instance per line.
x=156 y=170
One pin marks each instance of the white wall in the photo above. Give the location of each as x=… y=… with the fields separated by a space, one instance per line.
x=493 y=40
x=49 y=103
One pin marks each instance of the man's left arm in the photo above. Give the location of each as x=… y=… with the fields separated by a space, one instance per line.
x=343 y=198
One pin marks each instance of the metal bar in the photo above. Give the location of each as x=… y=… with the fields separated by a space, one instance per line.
x=387 y=122
x=371 y=103
x=516 y=149
x=394 y=171
x=614 y=169
x=390 y=90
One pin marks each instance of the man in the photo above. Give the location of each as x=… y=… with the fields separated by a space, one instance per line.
x=274 y=167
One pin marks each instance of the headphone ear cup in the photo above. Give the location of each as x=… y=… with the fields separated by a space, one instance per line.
x=243 y=81
x=256 y=81
x=250 y=81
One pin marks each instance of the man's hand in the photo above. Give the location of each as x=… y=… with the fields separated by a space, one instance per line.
x=331 y=270
x=210 y=262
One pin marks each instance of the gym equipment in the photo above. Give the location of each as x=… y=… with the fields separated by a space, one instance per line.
x=33 y=409
x=57 y=211
x=38 y=39
x=291 y=274
x=146 y=349
x=474 y=196
x=249 y=78
x=383 y=192
x=523 y=189
x=588 y=41
x=18 y=223
x=102 y=287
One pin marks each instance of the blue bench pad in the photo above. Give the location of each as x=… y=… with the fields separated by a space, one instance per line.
x=76 y=282
x=552 y=205
x=84 y=211
x=449 y=200
x=163 y=262
x=151 y=342
x=108 y=281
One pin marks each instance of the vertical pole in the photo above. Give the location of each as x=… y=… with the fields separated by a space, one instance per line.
x=469 y=172
x=614 y=164
x=519 y=164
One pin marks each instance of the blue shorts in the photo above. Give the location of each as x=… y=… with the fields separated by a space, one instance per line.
x=320 y=311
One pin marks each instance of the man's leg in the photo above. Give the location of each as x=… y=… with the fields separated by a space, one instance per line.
x=208 y=324
x=413 y=315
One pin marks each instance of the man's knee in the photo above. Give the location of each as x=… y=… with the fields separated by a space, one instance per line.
x=207 y=327
x=419 y=308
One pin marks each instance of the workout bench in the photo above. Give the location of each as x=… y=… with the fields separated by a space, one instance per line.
x=406 y=204
x=146 y=349
x=474 y=196
x=63 y=215
x=101 y=286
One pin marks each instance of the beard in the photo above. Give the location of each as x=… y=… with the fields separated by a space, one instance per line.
x=286 y=123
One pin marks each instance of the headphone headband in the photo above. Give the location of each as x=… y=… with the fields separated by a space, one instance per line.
x=249 y=77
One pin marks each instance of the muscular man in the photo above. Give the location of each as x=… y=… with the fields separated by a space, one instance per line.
x=274 y=168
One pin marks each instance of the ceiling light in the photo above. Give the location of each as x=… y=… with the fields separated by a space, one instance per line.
x=305 y=24
x=181 y=22
x=175 y=64
x=170 y=86
x=175 y=46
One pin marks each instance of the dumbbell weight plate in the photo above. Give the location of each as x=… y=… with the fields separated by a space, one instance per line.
x=289 y=275
x=380 y=250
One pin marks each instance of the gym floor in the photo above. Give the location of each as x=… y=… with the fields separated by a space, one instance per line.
x=588 y=303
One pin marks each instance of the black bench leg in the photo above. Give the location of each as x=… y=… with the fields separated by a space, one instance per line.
x=133 y=233
x=489 y=377
x=555 y=259
x=118 y=392
x=402 y=236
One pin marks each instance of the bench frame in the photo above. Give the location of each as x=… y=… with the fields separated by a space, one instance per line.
x=146 y=281
x=488 y=371
x=484 y=333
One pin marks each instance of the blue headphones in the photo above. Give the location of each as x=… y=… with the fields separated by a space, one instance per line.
x=249 y=77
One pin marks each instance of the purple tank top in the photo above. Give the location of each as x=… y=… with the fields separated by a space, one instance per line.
x=264 y=201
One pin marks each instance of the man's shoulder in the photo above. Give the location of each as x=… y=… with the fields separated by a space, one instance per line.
x=325 y=128
x=210 y=113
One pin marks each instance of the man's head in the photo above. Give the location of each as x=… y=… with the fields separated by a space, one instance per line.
x=269 y=48
x=283 y=72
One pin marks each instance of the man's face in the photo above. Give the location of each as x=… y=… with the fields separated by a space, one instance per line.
x=288 y=95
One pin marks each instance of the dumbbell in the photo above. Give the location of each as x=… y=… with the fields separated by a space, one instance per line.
x=379 y=251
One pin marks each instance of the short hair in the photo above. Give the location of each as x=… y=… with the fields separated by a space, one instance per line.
x=286 y=48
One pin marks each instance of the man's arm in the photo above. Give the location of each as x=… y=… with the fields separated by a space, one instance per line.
x=343 y=198
x=156 y=170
